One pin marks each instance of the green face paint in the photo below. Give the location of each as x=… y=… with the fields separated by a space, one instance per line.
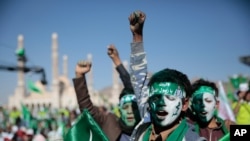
x=204 y=103
x=127 y=98
x=167 y=88
x=204 y=89
x=129 y=110
x=164 y=109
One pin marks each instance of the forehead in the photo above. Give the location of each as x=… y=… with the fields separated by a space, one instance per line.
x=204 y=96
x=129 y=98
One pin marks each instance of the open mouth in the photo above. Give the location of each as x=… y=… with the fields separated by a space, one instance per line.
x=130 y=118
x=161 y=114
x=203 y=113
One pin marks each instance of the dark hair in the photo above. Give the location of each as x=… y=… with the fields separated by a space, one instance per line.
x=246 y=93
x=126 y=91
x=174 y=76
x=201 y=82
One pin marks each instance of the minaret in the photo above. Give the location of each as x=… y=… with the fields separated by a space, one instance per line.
x=55 y=82
x=21 y=64
x=90 y=76
x=65 y=66
x=115 y=86
x=54 y=62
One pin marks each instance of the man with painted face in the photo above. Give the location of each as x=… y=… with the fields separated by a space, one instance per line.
x=204 y=104
x=164 y=96
x=116 y=129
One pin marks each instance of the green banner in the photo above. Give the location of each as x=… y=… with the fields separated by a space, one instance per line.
x=85 y=129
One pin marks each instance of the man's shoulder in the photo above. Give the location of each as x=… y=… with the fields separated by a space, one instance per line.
x=191 y=134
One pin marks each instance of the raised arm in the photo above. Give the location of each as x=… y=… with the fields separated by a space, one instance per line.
x=138 y=62
x=82 y=93
x=123 y=73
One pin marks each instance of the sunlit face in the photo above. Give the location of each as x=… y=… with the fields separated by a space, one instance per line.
x=204 y=106
x=129 y=112
x=164 y=109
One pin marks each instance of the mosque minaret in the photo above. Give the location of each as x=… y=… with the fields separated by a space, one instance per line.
x=61 y=92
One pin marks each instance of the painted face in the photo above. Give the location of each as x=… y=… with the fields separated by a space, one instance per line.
x=204 y=106
x=165 y=109
x=129 y=110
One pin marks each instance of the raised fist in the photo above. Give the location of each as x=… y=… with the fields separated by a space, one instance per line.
x=114 y=55
x=112 y=52
x=82 y=68
x=136 y=20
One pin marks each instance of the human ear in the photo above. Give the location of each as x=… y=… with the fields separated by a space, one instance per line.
x=185 y=104
x=217 y=104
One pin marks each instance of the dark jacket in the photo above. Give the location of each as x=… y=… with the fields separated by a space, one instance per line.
x=108 y=122
x=190 y=135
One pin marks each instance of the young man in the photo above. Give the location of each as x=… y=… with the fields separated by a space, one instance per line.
x=115 y=129
x=204 y=103
x=165 y=95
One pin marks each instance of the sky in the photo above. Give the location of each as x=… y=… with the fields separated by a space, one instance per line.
x=199 y=38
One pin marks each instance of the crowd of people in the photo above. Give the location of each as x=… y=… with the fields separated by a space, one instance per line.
x=35 y=122
x=165 y=106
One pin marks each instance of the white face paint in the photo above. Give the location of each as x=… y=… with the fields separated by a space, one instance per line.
x=205 y=110
x=209 y=102
x=165 y=109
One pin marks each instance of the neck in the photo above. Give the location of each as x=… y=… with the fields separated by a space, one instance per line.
x=212 y=123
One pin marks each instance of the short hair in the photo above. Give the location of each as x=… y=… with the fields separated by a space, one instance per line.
x=247 y=93
x=174 y=76
x=201 y=82
x=126 y=91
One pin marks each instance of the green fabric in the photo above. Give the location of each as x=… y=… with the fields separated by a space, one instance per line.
x=33 y=88
x=85 y=129
x=26 y=115
x=237 y=80
x=204 y=89
x=225 y=137
x=20 y=52
x=167 y=88
x=127 y=98
x=177 y=135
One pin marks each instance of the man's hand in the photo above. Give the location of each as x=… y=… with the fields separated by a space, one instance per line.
x=82 y=68
x=114 y=55
x=136 y=20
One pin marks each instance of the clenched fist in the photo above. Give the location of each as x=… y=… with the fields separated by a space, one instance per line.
x=82 y=68
x=136 y=20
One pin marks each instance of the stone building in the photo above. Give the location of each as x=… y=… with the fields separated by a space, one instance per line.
x=61 y=94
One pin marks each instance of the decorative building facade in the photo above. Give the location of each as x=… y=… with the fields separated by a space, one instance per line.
x=62 y=93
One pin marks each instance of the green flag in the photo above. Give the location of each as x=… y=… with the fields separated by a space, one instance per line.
x=85 y=129
x=26 y=115
x=236 y=80
x=225 y=137
x=20 y=52
x=32 y=87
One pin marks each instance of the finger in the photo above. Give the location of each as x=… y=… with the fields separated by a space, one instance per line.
x=136 y=16
x=110 y=50
x=82 y=63
x=132 y=18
